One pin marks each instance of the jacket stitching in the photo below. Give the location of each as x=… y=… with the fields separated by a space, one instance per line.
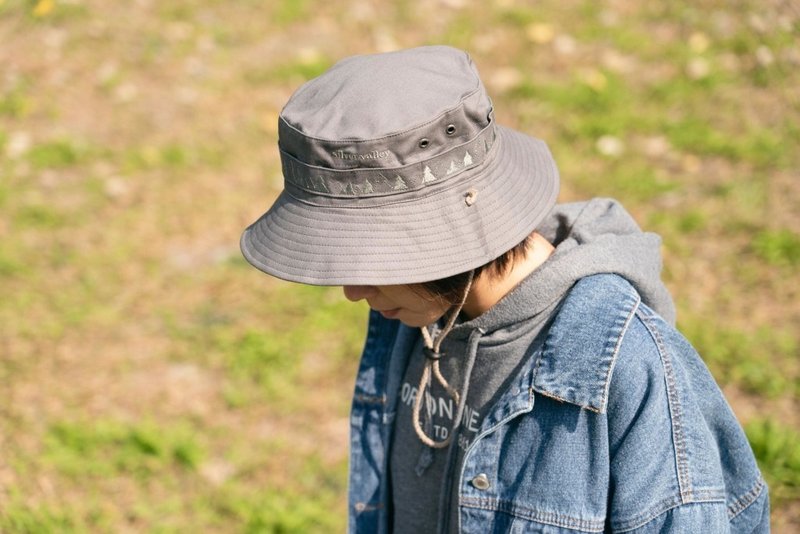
x=487 y=432
x=625 y=325
x=676 y=411
x=549 y=518
x=743 y=502
x=608 y=356
x=662 y=508
x=370 y=399
x=373 y=355
x=553 y=396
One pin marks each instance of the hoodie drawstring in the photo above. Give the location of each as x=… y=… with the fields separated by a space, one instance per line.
x=449 y=477
x=432 y=357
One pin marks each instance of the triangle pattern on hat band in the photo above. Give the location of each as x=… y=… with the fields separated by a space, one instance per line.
x=373 y=181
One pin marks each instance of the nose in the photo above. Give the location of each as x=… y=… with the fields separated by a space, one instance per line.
x=356 y=293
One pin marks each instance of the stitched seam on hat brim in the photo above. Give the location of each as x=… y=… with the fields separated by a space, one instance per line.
x=298 y=272
x=443 y=247
x=354 y=140
x=258 y=236
x=428 y=201
x=551 y=173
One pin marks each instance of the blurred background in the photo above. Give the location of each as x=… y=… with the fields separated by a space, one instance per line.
x=151 y=381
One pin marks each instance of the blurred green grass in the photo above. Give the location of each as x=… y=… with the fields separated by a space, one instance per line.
x=152 y=381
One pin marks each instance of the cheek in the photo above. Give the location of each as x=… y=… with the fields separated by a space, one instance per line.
x=430 y=312
x=416 y=309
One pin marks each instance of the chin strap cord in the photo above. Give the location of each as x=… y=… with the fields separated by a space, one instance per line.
x=432 y=357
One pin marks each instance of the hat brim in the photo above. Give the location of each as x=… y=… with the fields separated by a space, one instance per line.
x=410 y=240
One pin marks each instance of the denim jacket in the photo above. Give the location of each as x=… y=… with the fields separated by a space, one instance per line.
x=614 y=424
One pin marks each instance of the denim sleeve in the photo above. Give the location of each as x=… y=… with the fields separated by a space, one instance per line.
x=755 y=518
x=679 y=461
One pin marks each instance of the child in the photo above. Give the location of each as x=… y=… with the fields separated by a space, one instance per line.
x=521 y=371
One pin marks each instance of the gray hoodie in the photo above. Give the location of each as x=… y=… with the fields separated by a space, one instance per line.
x=481 y=355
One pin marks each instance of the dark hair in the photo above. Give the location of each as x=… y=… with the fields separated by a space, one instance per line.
x=451 y=289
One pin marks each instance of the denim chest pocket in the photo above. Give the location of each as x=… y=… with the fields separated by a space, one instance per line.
x=541 y=472
x=486 y=521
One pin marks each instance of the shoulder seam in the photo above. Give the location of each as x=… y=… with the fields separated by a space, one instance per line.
x=661 y=509
x=743 y=503
x=578 y=356
x=624 y=330
x=675 y=409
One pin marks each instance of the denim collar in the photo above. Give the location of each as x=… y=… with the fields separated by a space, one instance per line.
x=580 y=350
x=576 y=360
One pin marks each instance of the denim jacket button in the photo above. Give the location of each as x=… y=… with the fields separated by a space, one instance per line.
x=481 y=482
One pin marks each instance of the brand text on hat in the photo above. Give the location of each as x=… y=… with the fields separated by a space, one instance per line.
x=375 y=154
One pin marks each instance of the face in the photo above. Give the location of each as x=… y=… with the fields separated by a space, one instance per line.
x=406 y=303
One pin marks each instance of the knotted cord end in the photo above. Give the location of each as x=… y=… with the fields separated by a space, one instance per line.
x=431 y=354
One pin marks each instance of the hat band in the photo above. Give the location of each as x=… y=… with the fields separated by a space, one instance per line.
x=391 y=181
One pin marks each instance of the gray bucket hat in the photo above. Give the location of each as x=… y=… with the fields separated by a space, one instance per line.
x=395 y=172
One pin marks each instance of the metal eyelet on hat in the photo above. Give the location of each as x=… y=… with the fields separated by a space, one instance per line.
x=423 y=143
x=451 y=129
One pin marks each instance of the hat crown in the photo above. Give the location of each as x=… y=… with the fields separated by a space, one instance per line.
x=386 y=110
x=370 y=96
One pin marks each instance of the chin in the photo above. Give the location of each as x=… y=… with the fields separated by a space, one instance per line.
x=417 y=321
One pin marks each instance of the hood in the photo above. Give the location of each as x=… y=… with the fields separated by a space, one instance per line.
x=599 y=236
